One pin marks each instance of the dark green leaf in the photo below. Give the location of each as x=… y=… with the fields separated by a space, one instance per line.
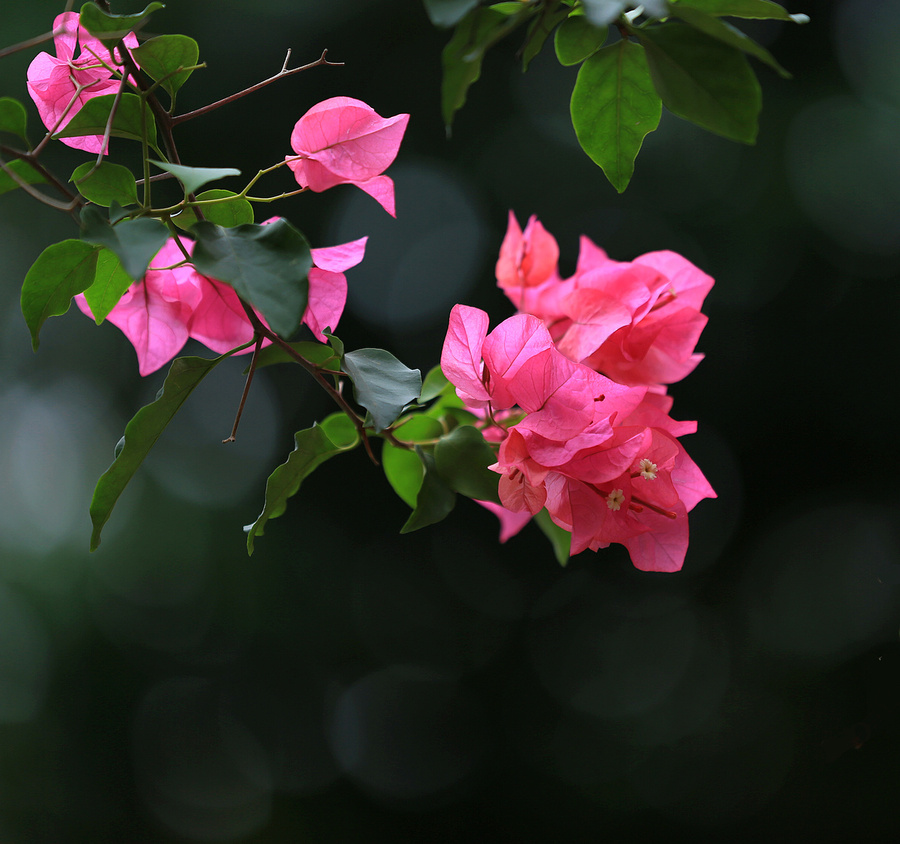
x=193 y=178
x=404 y=472
x=614 y=107
x=23 y=170
x=756 y=9
x=312 y=447
x=703 y=80
x=60 y=272
x=433 y=385
x=577 y=38
x=540 y=28
x=134 y=241
x=335 y=342
x=559 y=537
x=446 y=13
x=165 y=58
x=112 y=28
x=462 y=56
x=93 y=116
x=235 y=211
x=110 y=283
x=462 y=458
x=105 y=183
x=13 y=118
x=381 y=384
x=266 y=265
x=435 y=499
x=727 y=34
x=117 y=212
x=142 y=432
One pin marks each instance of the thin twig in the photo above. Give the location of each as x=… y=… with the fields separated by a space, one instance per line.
x=253 y=88
x=240 y=410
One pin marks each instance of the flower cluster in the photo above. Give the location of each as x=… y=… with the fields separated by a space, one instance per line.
x=572 y=385
x=173 y=302
x=60 y=85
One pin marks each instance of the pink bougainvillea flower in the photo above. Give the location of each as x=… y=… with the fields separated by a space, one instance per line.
x=60 y=85
x=637 y=322
x=172 y=303
x=343 y=141
x=601 y=457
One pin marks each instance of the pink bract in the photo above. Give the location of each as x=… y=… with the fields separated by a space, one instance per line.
x=637 y=322
x=344 y=141
x=60 y=85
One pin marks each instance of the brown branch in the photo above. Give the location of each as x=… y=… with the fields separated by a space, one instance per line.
x=283 y=73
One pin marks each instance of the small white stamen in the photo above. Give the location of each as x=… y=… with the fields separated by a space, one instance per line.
x=648 y=469
x=614 y=499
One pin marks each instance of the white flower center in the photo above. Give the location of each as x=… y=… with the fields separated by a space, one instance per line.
x=648 y=469
x=614 y=499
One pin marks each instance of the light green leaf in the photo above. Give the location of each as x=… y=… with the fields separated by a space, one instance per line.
x=703 y=80
x=105 y=183
x=404 y=471
x=110 y=283
x=266 y=265
x=433 y=385
x=312 y=447
x=614 y=107
x=141 y=434
x=93 y=116
x=381 y=384
x=60 y=272
x=235 y=211
x=538 y=32
x=193 y=178
x=752 y=9
x=165 y=59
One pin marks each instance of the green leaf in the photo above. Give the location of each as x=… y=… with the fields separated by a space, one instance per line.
x=404 y=472
x=110 y=283
x=381 y=384
x=13 y=118
x=23 y=170
x=435 y=499
x=93 y=116
x=141 y=434
x=312 y=447
x=462 y=458
x=462 y=57
x=703 y=80
x=559 y=537
x=539 y=30
x=614 y=107
x=266 y=265
x=193 y=178
x=446 y=13
x=112 y=28
x=317 y=353
x=727 y=34
x=336 y=343
x=168 y=59
x=577 y=38
x=754 y=9
x=433 y=385
x=105 y=183
x=60 y=272
x=134 y=241
x=236 y=211
x=418 y=428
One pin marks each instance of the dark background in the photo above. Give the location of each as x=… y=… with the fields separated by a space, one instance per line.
x=351 y=684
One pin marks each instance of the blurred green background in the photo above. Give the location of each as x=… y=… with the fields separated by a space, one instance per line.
x=350 y=684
